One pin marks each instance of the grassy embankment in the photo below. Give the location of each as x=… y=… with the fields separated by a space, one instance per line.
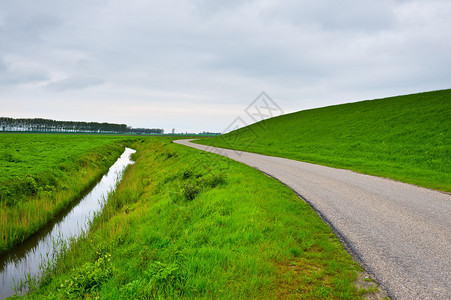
x=406 y=138
x=40 y=175
x=190 y=224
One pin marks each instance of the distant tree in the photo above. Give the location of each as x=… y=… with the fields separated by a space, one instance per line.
x=47 y=125
x=146 y=130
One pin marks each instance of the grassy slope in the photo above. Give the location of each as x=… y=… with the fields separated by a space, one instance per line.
x=43 y=174
x=189 y=224
x=406 y=138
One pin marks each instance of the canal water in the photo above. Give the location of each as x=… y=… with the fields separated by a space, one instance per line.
x=25 y=260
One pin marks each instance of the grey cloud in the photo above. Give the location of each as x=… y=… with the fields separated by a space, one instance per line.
x=9 y=76
x=3 y=66
x=22 y=78
x=347 y=15
x=19 y=31
x=208 y=8
x=74 y=83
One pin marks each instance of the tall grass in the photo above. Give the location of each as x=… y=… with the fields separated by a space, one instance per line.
x=406 y=138
x=240 y=235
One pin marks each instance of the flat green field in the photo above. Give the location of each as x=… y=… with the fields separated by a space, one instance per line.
x=406 y=138
x=189 y=224
x=22 y=154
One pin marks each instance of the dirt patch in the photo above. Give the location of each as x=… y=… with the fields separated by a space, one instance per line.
x=370 y=288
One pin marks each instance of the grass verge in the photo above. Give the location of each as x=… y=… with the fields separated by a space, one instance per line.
x=190 y=224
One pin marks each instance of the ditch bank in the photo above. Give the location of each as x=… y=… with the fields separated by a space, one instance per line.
x=28 y=259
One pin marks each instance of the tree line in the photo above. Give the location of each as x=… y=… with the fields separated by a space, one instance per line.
x=47 y=125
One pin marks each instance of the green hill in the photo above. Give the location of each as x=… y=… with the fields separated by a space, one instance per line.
x=406 y=138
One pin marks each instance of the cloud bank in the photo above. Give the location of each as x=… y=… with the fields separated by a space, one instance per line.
x=196 y=65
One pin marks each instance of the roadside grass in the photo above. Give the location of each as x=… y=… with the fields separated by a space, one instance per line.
x=189 y=224
x=406 y=138
x=47 y=174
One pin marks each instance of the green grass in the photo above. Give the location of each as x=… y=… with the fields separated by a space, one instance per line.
x=40 y=175
x=190 y=224
x=406 y=138
x=22 y=154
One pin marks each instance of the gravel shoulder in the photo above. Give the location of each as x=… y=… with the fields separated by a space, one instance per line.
x=400 y=232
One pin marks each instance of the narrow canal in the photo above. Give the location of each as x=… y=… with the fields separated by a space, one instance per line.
x=25 y=260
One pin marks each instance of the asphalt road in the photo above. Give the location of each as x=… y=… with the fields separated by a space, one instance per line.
x=401 y=233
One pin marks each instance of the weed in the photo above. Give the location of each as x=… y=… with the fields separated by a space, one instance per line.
x=169 y=154
x=87 y=279
x=18 y=190
x=214 y=180
x=190 y=191
x=187 y=174
x=369 y=290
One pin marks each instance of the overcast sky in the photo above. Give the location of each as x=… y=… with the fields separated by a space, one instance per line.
x=195 y=65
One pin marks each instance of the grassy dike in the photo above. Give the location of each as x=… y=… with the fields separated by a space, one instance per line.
x=30 y=201
x=406 y=138
x=189 y=224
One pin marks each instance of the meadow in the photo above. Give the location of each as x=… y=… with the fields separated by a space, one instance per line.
x=22 y=154
x=42 y=174
x=406 y=138
x=190 y=224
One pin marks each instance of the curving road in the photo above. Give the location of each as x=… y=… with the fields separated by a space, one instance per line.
x=400 y=232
